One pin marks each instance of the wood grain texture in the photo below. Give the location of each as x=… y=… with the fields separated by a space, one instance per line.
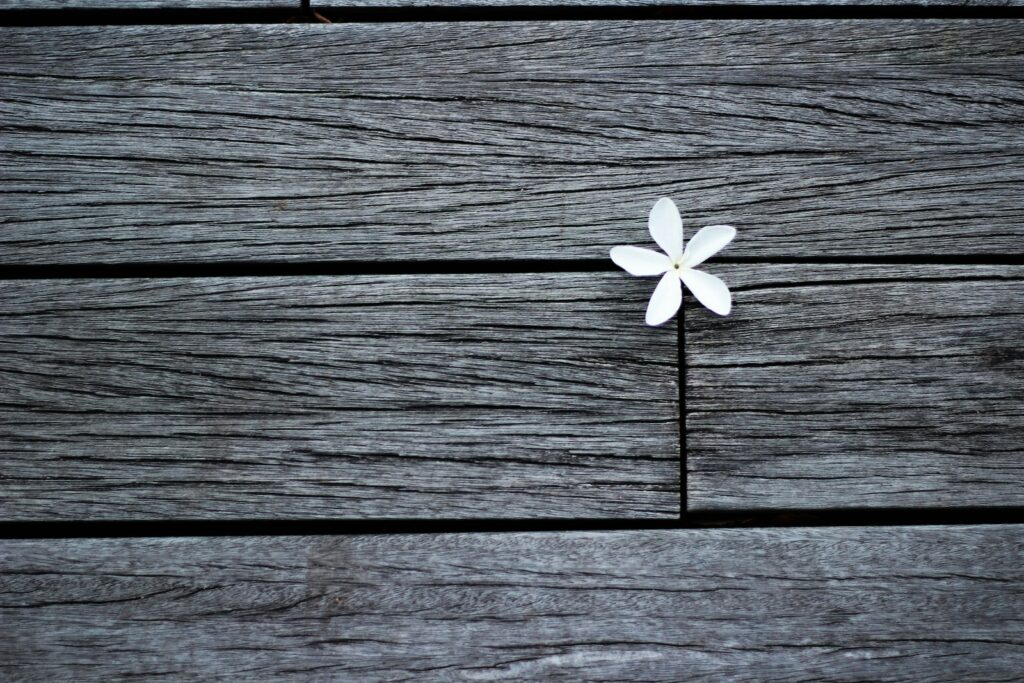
x=840 y=604
x=503 y=395
x=858 y=386
x=526 y=140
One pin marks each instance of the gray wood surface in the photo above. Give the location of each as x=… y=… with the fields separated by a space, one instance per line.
x=495 y=395
x=399 y=141
x=858 y=386
x=838 y=604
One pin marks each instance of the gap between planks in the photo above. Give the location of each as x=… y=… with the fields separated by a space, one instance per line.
x=239 y=12
x=85 y=271
x=863 y=517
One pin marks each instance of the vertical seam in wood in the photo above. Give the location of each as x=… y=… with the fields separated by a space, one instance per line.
x=681 y=361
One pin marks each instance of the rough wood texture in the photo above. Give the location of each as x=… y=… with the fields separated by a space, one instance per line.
x=505 y=395
x=849 y=386
x=400 y=141
x=840 y=604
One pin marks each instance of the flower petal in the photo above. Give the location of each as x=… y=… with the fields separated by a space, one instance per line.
x=667 y=227
x=708 y=289
x=706 y=243
x=637 y=261
x=665 y=301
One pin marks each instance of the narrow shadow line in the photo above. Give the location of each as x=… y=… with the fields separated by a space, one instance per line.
x=876 y=517
x=151 y=16
x=304 y=11
x=663 y=12
x=681 y=348
x=164 y=269
x=882 y=259
x=278 y=269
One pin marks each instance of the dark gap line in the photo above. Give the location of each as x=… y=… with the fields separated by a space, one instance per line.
x=874 y=517
x=435 y=267
x=893 y=259
x=304 y=12
x=721 y=11
x=681 y=350
x=283 y=268
x=151 y=16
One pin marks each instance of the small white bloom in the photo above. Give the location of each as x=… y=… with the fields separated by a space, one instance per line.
x=677 y=264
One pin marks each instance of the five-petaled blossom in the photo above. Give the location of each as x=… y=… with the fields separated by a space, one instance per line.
x=677 y=264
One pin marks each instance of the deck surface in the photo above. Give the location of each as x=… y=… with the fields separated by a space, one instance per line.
x=723 y=604
x=541 y=395
x=409 y=142
x=859 y=386
x=313 y=365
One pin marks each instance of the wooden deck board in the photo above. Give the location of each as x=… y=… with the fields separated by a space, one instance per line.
x=880 y=604
x=836 y=386
x=404 y=396
x=526 y=140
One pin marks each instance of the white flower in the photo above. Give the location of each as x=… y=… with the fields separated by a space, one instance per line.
x=677 y=264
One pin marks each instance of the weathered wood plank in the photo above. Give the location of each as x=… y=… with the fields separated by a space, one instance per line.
x=844 y=604
x=527 y=140
x=512 y=395
x=850 y=386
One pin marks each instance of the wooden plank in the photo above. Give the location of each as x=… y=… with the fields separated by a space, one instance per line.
x=858 y=386
x=526 y=140
x=512 y=395
x=877 y=604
